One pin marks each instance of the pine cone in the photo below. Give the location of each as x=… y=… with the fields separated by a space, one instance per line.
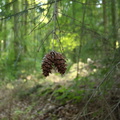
x=47 y=65
x=53 y=59
x=59 y=63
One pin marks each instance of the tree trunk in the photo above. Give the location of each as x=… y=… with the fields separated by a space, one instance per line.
x=24 y=24
x=114 y=22
x=105 y=24
x=5 y=36
x=74 y=59
x=1 y=22
x=16 y=32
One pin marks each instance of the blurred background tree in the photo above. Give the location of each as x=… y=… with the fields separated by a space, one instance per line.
x=83 y=29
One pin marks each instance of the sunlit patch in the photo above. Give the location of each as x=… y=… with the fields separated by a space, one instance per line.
x=29 y=77
x=71 y=2
x=43 y=1
x=2 y=41
x=10 y=86
x=117 y=44
x=89 y=60
x=84 y=71
x=100 y=2
x=68 y=42
x=42 y=9
x=94 y=70
x=23 y=71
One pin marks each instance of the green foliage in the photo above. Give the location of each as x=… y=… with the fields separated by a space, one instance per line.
x=65 y=94
x=79 y=33
x=68 y=42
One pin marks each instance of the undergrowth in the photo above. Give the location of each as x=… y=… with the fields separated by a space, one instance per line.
x=91 y=97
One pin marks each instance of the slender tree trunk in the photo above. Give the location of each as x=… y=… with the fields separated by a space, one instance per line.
x=119 y=22
x=24 y=25
x=118 y=2
x=5 y=27
x=25 y=22
x=5 y=35
x=74 y=59
x=73 y=15
x=105 y=24
x=34 y=36
x=114 y=22
x=75 y=51
x=16 y=33
x=1 y=39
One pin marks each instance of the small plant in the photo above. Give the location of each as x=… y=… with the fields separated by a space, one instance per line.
x=65 y=94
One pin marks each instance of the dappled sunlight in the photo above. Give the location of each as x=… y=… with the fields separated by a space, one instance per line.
x=9 y=86
x=31 y=80
x=117 y=44
x=54 y=78
x=68 y=42
x=84 y=70
x=38 y=1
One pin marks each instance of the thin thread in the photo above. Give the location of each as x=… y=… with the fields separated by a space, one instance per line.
x=54 y=26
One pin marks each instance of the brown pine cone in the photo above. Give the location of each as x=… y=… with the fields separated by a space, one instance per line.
x=47 y=64
x=59 y=63
x=53 y=59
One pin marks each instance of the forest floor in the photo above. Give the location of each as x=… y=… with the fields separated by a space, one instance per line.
x=61 y=98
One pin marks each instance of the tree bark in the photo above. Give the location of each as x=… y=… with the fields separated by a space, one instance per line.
x=105 y=24
x=74 y=59
x=114 y=22
x=24 y=25
x=16 y=32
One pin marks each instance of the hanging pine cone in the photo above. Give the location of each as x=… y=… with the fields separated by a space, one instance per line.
x=59 y=63
x=47 y=64
x=53 y=59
